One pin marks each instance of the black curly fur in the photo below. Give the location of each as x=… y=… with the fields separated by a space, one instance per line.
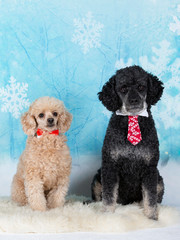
x=131 y=169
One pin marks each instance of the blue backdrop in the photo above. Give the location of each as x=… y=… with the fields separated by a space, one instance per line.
x=69 y=49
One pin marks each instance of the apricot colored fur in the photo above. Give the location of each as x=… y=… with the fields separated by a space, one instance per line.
x=42 y=176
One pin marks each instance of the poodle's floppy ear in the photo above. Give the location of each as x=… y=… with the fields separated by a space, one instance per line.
x=28 y=123
x=64 y=121
x=108 y=95
x=155 y=90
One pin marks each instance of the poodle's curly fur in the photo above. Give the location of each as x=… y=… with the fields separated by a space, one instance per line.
x=42 y=176
x=129 y=173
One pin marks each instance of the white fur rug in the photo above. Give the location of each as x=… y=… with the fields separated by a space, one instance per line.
x=75 y=217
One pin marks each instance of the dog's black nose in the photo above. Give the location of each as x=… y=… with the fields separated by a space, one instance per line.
x=133 y=101
x=50 y=120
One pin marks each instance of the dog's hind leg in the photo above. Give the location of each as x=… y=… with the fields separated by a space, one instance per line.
x=160 y=189
x=18 y=191
x=96 y=187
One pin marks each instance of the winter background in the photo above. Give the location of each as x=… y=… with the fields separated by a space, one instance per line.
x=68 y=50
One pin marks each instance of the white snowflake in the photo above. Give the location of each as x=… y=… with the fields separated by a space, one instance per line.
x=178 y=8
x=175 y=27
x=121 y=64
x=87 y=33
x=167 y=111
x=174 y=81
x=161 y=64
x=158 y=64
x=13 y=97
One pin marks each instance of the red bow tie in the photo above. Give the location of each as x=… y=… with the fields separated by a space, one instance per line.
x=40 y=132
x=134 y=132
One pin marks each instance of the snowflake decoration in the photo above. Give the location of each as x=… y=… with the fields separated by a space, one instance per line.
x=174 y=68
x=175 y=27
x=87 y=33
x=121 y=64
x=158 y=65
x=169 y=114
x=161 y=65
x=159 y=62
x=13 y=97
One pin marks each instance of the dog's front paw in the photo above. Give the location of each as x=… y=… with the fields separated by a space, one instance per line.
x=153 y=216
x=53 y=202
x=108 y=208
x=38 y=207
x=151 y=213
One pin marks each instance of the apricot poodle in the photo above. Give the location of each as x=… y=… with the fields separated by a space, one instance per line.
x=42 y=176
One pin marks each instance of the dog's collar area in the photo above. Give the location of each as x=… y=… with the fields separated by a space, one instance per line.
x=144 y=113
x=134 y=132
x=40 y=132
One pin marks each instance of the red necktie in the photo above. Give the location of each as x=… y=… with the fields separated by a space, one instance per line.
x=40 y=132
x=134 y=133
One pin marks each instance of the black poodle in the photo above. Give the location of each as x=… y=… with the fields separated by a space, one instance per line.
x=129 y=159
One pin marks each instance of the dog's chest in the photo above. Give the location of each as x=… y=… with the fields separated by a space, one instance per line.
x=50 y=171
x=50 y=166
x=132 y=153
x=50 y=158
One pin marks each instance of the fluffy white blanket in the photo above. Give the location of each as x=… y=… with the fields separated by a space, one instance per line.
x=75 y=217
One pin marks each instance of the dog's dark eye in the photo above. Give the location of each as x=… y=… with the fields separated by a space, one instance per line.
x=55 y=114
x=141 y=88
x=124 y=89
x=41 y=115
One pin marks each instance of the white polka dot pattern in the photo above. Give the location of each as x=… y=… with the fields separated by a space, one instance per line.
x=134 y=133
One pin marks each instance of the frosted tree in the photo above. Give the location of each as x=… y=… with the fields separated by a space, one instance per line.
x=87 y=33
x=14 y=97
